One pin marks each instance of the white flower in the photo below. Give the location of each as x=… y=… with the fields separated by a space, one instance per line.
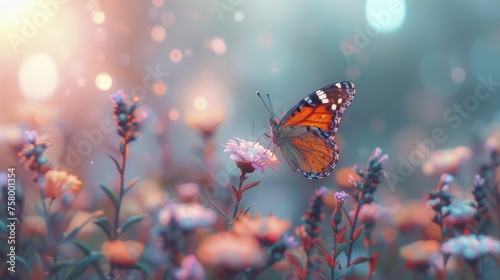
x=471 y=247
x=188 y=216
x=251 y=155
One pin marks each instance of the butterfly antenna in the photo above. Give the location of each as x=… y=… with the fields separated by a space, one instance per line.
x=270 y=104
x=267 y=107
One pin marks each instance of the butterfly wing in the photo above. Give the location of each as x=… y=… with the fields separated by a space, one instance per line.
x=306 y=133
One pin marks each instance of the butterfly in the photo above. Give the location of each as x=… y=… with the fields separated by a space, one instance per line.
x=306 y=134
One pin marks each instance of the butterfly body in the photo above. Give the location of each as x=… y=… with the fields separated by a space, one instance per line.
x=306 y=134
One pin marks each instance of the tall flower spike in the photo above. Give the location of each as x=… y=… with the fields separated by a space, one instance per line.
x=127 y=119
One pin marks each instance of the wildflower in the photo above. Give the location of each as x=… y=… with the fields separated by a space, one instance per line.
x=277 y=250
x=412 y=214
x=127 y=120
x=187 y=216
x=206 y=125
x=265 y=229
x=190 y=269
x=371 y=177
x=249 y=156
x=122 y=253
x=420 y=254
x=188 y=192
x=449 y=160
x=32 y=152
x=480 y=195
x=370 y=213
x=471 y=247
x=458 y=213
x=336 y=219
x=226 y=250
x=59 y=183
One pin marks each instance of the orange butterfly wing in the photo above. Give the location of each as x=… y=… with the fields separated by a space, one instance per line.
x=306 y=133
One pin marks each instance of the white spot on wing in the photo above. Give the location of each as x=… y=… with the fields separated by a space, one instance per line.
x=324 y=101
x=339 y=101
x=338 y=85
x=334 y=107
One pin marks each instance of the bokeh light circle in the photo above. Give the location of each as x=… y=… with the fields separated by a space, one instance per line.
x=38 y=77
x=103 y=81
x=385 y=16
x=200 y=103
x=175 y=55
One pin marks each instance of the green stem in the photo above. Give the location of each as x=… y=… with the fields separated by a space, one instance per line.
x=241 y=179
x=370 y=260
x=334 y=247
x=353 y=229
x=120 y=196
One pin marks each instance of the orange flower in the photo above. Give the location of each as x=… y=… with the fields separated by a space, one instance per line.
x=122 y=253
x=420 y=254
x=265 y=229
x=230 y=251
x=59 y=182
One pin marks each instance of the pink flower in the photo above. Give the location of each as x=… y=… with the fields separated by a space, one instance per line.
x=459 y=213
x=341 y=197
x=249 y=156
x=471 y=247
x=190 y=269
x=370 y=212
x=420 y=254
x=187 y=215
x=442 y=161
x=226 y=250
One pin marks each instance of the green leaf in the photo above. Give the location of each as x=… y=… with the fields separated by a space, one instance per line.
x=341 y=273
x=69 y=236
x=249 y=186
x=131 y=184
x=143 y=269
x=110 y=193
x=105 y=225
x=83 y=264
x=115 y=161
x=84 y=248
x=87 y=251
x=248 y=208
x=23 y=262
x=129 y=222
x=54 y=269
x=340 y=248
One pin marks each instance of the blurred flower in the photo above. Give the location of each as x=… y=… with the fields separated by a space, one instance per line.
x=190 y=269
x=32 y=153
x=458 y=213
x=449 y=160
x=411 y=214
x=126 y=118
x=265 y=229
x=226 y=250
x=206 y=126
x=471 y=247
x=420 y=254
x=340 y=197
x=249 y=156
x=480 y=196
x=187 y=215
x=309 y=230
x=59 y=183
x=188 y=192
x=370 y=213
x=346 y=176
x=122 y=253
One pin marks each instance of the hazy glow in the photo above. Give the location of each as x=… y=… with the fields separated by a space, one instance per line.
x=158 y=33
x=159 y=88
x=174 y=114
x=218 y=46
x=12 y=11
x=175 y=55
x=43 y=117
x=239 y=16
x=98 y=17
x=38 y=77
x=458 y=74
x=385 y=16
x=168 y=18
x=158 y=3
x=200 y=103
x=103 y=81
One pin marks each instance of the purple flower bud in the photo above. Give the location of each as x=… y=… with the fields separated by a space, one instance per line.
x=119 y=97
x=478 y=181
x=30 y=136
x=446 y=178
x=341 y=196
x=376 y=153
x=383 y=160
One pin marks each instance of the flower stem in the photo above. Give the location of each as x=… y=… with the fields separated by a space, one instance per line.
x=334 y=247
x=353 y=229
x=370 y=259
x=121 y=190
x=238 y=197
